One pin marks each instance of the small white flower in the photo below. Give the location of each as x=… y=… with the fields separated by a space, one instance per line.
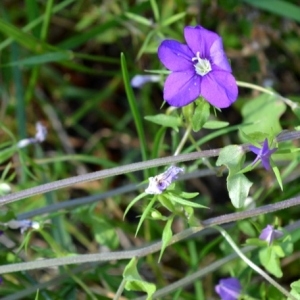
x=139 y=80
x=23 y=225
x=160 y=182
x=41 y=132
x=40 y=136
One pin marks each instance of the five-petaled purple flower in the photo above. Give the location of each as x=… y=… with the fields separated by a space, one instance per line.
x=229 y=288
x=199 y=68
x=269 y=234
x=263 y=154
x=161 y=181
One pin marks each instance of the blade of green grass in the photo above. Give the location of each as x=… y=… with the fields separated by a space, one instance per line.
x=42 y=59
x=45 y=26
x=32 y=12
x=135 y=112
x=278 y=7
x=36 y=22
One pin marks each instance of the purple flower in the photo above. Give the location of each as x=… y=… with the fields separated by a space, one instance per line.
x=268 y=234
x=40 y=136
x=228 y=288
x=23 y=225
x=199 y=68
x=263 y=154
x=139 y=80
x=160 y=182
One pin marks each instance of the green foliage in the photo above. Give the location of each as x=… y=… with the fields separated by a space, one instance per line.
x=166 y=237
x=295 y=286
x=237 y=184
x=264 y=113
x=270 y=258
x=134 y=282
x=165 y=120
x=201 y=114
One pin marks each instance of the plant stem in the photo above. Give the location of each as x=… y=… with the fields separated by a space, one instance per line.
x=120 y=290
x=183 y=140
x=252 y=265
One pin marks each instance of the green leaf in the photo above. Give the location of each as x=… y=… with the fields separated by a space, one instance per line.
x=253 y=137
x=165 y=120
x=264 y=113
x=181 y=201
x=215 y=124
x=279 y=7
x=295 y=286
x=42 y=59
x=139 y=19
x=173 y=19
x=136 y=199
x=201 y=114
x=256 y=242
x=277 y=174
x=270 y=260
x=247 y=228
x=166 y=202
x=145 y=213
x=238 y=187
x=155 y=10
x=232 y=157
x=188 y=195
x=6 y=216
x=237 y=184
x=287 y=245
x=134 y=282
x=166 y=237
x=105 y=233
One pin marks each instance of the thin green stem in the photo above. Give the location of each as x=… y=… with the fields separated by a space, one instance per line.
x=252 y=265
x=183 y=140
x=252 y=86
x=120 y=290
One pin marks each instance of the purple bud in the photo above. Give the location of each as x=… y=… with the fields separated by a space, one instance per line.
x=139 y=80
x=228 y=288
x=269 y=234
x=160 y=182
x=40 y=136
x=23 y=225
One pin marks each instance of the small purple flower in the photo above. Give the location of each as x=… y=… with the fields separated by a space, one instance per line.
x=269 y=234
x=263 y=154
x=40 y=136
x=139 y=80
x=199 y=68
x=228 y=288
x=23 y=225
x=160 y=182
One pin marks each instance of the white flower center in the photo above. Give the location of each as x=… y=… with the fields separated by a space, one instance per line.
x=203 y=66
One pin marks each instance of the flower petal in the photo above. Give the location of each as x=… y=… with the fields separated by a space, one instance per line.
x=219 y=88
x=200 y=40
x=175 y=56
x=218 y=55
x=266 y=163
x=181 y=88
x=255 y=150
